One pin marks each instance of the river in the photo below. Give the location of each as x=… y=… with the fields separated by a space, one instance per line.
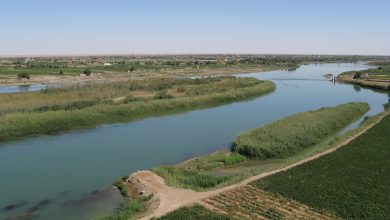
x=69 y=175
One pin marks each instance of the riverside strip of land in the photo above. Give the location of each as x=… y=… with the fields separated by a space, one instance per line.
x=86 y=106
x=377 y=77
x=75 y=69
x=171 y=198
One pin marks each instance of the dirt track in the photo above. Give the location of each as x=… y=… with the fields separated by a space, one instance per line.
x=171 y=198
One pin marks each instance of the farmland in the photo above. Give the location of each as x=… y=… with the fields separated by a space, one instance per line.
x=352 y=183
x=195 y=212
x=248 y=202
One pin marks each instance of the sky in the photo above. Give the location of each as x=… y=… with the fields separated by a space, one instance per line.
x=53 y=27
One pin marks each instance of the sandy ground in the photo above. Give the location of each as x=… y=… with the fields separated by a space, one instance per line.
x=171 y=198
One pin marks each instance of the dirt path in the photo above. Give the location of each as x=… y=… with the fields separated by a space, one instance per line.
x=171 y=198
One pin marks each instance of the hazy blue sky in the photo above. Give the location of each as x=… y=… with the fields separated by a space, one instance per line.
x=194 y=26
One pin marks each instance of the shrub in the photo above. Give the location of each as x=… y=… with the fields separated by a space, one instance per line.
x=163 y=95
x=87 y=72
x=23 y=76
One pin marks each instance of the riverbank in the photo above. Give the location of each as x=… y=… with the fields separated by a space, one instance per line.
x=167 y=195
x=115 y=75
x=88 y=106
x=377 y=78
x=287 y=137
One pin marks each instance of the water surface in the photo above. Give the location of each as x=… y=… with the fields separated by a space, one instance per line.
x=22 y=88
x=67 y=169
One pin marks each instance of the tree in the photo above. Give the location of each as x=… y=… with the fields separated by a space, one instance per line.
x=61 y=72
x=132 y=69
x=87 y=72
x=23 y=76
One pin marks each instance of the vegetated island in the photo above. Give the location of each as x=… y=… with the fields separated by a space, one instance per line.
x=85 y=106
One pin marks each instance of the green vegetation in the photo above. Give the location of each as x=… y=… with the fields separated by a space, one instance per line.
x=217 y=160
x=352 y=182
x=131 y=209
x=93 y=104
x=387 y=106
x=292 y=134
x=185 y=178
x=23 y=76
x=196 y=212
x=378 y=78
x=122 y=186
x=87 y=72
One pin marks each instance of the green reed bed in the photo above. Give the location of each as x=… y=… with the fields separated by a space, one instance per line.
x=45 y=119
x=189 y=179
x=292 y=134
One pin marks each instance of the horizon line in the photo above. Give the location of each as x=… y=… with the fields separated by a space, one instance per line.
x=179 y=54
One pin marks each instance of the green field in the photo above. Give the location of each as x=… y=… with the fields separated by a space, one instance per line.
x=292 y=134
x=352 y=183
x=87 y=106
x=196 y=212
x=216 y=160
x=185 y=178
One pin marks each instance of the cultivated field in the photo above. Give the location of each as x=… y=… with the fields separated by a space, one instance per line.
x=251 y=203
x=353 y=182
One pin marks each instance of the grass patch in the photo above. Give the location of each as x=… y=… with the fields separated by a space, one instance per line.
x=196 y=212
x=122 y=186
x=352 y=182
x=292 y=134
x=220 y=159
x=131 y=209
x=189 y=179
